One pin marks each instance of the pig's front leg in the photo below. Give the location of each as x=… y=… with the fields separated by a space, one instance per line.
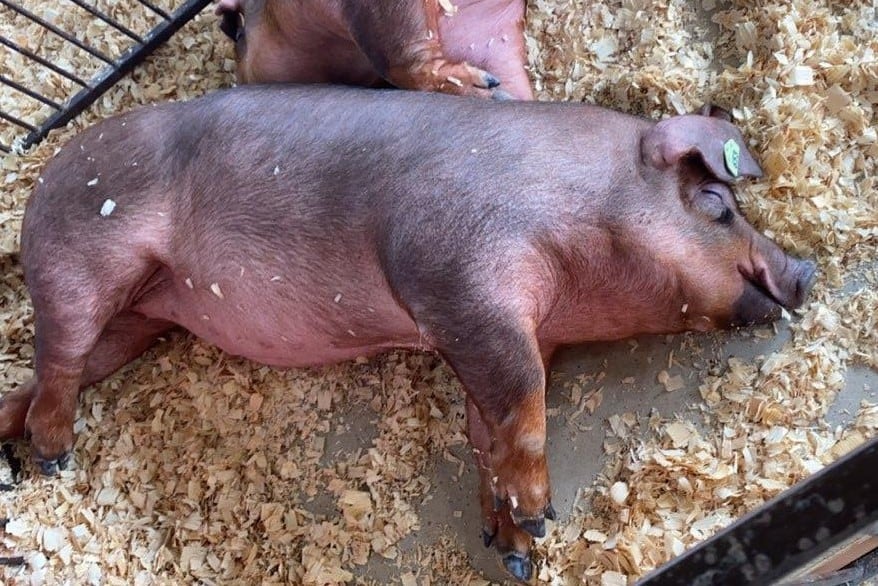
x=401 y=40
x=498 y=529
x=500 y=366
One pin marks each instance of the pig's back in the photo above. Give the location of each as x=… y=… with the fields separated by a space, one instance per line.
x=353 y=161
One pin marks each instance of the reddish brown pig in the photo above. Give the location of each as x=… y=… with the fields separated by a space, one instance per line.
x=305 y=226
x=412 y=44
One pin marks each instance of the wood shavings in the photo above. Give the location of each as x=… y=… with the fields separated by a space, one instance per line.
x=448 y=7
x=107 y=208
x=801 y=75
x=206 y=468
x=614 y=579
x=619 y=492
x=671 y=383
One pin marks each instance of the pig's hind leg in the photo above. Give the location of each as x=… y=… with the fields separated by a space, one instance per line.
x=401 y=39
x=82 y=334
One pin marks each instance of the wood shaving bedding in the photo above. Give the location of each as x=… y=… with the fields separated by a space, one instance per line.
x=191 y=465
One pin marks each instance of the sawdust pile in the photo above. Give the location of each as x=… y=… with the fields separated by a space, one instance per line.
x=194 y=465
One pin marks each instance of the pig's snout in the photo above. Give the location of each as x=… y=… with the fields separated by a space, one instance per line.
x=807 y=274
x=767 y=289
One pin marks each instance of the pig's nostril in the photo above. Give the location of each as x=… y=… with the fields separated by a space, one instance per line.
x=756 y=277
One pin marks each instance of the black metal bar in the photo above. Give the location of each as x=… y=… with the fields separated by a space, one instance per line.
x=786 y=533
x=109 y=20
x=155 y=9
x=128 y=61
x=47 y=25
x=17 y=121
x=39 y=97
x=47 y=64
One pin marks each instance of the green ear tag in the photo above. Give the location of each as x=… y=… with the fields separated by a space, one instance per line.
x=733 y=155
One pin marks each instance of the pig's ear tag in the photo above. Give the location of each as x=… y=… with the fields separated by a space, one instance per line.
x=732 y=156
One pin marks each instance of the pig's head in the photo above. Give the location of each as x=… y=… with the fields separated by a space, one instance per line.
x=724 y=271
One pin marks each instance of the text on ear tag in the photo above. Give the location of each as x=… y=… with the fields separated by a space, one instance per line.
x=732 y=156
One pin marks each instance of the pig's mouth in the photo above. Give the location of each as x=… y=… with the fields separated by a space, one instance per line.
x=764 y=295
x=756 y=305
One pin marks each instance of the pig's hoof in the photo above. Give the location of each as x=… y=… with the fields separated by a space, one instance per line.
x=490 y=81
x=52 y=467
x=13 y=461
x=536 y=526
x=519 y=566
x=501 y=96
x=551 y=515
x=487 y=537
x=498 y=503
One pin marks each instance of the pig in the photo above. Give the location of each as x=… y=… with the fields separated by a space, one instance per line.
x=301 y=226
x=411 y=44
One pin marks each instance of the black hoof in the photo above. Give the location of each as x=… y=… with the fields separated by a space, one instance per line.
x=52 y=467
x=536 y=526
x=498 y=503
x=519 y=566
x=14 y=461
x=501 y=96
x=487 y=538
x=551 y=515
x=491 y=81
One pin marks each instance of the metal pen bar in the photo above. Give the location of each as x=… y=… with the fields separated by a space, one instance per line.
x=128 y=61
x=47 y=64
x=49 y=26
x=39 y=97
x=155 y=9
x=109 y=20
x=17 y=121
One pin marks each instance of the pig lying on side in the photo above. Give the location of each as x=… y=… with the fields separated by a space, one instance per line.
x=412 y=44
x=305 y=226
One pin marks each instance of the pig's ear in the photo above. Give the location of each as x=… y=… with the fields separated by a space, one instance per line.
x=714 y=111
x=714 y=140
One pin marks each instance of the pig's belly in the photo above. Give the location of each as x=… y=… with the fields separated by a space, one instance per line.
x=284 y=328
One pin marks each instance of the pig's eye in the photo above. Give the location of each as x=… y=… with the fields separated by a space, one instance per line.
x=711 y=202
x=726 y=217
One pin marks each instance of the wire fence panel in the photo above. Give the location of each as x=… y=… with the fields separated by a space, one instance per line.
x=76 y=49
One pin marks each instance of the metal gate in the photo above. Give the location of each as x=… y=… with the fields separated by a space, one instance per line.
x=85 y=87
